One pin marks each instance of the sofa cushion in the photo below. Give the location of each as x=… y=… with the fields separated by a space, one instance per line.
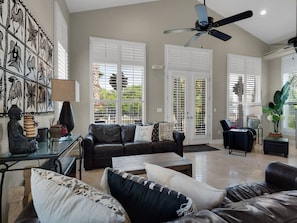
x=58 y=198
x=135 y=148
x=164 y=147
x=143 y=133
x=106 y=133
x=111 y=149
x=203 y=195
x=145 y=201
x=277 y=207
x=127 y=133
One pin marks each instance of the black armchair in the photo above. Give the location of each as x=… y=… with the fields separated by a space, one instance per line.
x=244 y=140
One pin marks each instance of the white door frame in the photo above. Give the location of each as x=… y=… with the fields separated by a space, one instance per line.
x=188 y=59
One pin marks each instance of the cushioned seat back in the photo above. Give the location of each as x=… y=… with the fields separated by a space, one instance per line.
x=127 y=133
x=226 y=124
x=106 y=133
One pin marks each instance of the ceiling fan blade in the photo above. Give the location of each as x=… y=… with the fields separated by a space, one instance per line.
x=219 y=35
x=179 y=30
x=194 y=38
x=234 y=18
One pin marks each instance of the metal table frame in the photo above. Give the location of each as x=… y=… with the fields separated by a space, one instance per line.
x=51 y=150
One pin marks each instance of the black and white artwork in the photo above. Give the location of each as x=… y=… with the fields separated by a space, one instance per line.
x=30 y=96
x=26 y=60
x=14 y=90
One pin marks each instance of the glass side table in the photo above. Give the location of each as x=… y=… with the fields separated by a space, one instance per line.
x=53 y=152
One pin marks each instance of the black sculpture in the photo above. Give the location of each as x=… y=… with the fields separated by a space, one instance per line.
x=18 y=142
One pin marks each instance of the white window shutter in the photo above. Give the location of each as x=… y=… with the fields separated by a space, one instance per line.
x=118 y=73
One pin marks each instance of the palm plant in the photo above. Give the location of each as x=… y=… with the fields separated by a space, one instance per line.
x=274 y=110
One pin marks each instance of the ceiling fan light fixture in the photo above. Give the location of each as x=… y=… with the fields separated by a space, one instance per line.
x=202 y=14
x=205 y=24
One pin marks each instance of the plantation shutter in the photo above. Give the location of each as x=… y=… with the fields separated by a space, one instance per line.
x=179 y=97
x=61 y=40
x=188 y=71
x=118 y=80
x=289 y=70
x=201 y=111
x=61 y=50
x=244 y=86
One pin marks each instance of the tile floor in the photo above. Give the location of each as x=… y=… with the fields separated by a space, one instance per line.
x=219 y=168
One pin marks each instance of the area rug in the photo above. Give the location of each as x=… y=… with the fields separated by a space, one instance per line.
x=199 y=148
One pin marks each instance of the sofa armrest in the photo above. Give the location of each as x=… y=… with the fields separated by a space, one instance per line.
x=179 y=139
x=281 y=176
x=88 y=144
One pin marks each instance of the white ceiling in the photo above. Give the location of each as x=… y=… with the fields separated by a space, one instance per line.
x=279 y=24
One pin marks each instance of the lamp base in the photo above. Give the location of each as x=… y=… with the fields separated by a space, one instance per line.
x=66 y=116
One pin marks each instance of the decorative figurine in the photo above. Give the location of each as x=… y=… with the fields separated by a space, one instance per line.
x=18 y=142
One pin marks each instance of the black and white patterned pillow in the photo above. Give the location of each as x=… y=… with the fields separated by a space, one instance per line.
x=80 y=202
x=155 y=133
x=146 y=201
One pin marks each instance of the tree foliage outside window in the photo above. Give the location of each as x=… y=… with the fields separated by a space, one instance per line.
x=109 y=97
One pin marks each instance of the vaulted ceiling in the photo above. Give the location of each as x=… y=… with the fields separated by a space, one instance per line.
x=278 y=24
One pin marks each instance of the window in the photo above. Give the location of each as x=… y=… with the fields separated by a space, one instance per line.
x=61 y=43
x=61 y=50
x=118 y=79
x=244 y=87
x=289 y=70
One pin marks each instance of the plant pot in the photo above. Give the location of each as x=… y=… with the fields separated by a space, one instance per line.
x=275 y=135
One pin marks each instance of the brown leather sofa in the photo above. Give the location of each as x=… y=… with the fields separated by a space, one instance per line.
x=274 y=200
x=105 y=141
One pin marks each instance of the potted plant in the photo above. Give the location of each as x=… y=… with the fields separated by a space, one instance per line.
x=274 y=110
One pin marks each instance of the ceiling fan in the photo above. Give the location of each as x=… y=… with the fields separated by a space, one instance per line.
x=206 y=24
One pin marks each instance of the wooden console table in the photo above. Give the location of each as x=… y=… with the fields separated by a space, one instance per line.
x=56 y=152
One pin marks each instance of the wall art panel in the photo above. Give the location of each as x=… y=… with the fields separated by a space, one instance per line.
x=26 y=60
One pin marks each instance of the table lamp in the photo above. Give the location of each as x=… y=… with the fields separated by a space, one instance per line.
x=66 y=91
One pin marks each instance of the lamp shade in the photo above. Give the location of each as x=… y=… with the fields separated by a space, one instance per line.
x=65 y=90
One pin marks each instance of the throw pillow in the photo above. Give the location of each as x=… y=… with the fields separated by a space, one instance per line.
x=143 y=133
x=145 y=201
x=58 y=198
x=166 y=131
x=155 y=133
x=203 y=195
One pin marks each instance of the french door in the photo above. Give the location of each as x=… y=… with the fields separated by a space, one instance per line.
x=188 y=105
